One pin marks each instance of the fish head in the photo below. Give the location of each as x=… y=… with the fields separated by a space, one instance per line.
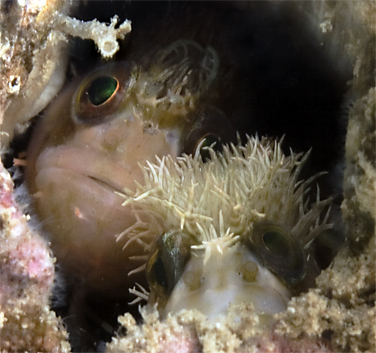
x=88 y=146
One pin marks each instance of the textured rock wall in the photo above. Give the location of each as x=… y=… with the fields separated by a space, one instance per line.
x=343 y=305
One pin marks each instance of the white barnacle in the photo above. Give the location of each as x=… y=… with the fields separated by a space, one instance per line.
x=241 y=222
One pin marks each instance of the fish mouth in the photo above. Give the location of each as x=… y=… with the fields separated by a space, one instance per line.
x=100 y=170
x=105 y=184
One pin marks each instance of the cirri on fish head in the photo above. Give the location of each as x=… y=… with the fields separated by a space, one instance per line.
x=235 y=229
x=89 y=145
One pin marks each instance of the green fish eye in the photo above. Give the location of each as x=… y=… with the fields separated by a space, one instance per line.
x=276 y=243
x=158 y=271
x=166 y=263
x=102 y=89
x=207 y=141
x=279 y=251
x=100 y=94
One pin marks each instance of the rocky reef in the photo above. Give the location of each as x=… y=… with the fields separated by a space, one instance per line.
x=26 y=277
x=336 y=316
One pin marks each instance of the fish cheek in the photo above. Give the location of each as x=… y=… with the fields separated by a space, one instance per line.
x=74 y=190
x=77 y=214
x=54 y=128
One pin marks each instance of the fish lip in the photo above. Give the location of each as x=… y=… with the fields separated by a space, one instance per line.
x=59 y=158
x=104 y=183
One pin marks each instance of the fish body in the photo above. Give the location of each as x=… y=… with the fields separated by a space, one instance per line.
x=90 y=143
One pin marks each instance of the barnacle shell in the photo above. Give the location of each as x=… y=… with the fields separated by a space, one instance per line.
x=32 y=66
x=33 y=57
x=343 y=303
x=229 y=196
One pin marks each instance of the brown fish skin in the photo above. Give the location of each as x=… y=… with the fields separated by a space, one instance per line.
x=74 y=171
x=89 y=145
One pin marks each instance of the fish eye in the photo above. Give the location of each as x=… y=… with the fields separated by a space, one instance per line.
x=156 y=271
x=100 y=94
x=102 y=89
x=208 y=140
x=279 y=251
x=166 y=263
x=210 y=128
x=276 y=242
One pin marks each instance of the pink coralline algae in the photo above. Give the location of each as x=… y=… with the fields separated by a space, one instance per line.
x=26 y=279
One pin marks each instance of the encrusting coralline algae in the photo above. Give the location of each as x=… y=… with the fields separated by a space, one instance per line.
x=26 y=280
